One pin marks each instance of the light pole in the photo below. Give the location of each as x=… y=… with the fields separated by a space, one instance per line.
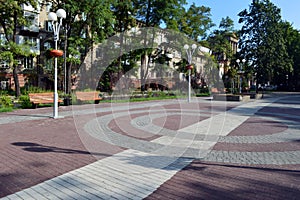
x=61 y=14
x=240 y=72
x=189 y=53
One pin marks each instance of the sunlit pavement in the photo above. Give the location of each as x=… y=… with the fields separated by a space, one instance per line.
x=161 y=149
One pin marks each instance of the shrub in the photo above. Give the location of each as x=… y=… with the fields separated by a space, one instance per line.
x=6 y=104
x=25 y=101
x=32 y=89
x=5 y=101
x=8 y=109
x=3 y=93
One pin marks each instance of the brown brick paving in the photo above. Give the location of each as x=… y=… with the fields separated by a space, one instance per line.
x=202 y=180
x=175 y=122
x=207 y=180
x=258 y=126
x=34 y=151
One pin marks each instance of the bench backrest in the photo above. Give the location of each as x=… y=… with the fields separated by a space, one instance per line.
x=46 y=97
x=41 y=95
x=92 y=95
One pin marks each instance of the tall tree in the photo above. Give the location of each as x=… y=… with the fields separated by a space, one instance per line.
x=12 y=18
x=219 y=40
x=87 y=22
x=152 y=13
x=262 y=41
x=195 y=22
x=227 y=24
x=123 y=11
x=293 y=47
x=219 y=43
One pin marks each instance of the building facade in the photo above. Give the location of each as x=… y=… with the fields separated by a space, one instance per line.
x=30 y=69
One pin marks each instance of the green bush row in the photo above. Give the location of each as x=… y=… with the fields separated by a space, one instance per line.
x=6 y=104
x=32 y=89
x=25 y=101
x=5 y=101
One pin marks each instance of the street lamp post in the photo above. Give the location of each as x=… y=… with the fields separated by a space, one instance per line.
x=240 y=72
x=189 y=53
x=61 y=14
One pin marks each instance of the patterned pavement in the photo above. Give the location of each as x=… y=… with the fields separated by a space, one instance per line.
x=168 y=150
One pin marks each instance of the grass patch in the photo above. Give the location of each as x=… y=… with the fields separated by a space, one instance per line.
x=42 y=105
x=203 y=94
x=6 y=109
x=6 y=104
x=140 y=99
x=151 y=98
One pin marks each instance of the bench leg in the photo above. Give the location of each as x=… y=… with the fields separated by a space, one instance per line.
x=34 y=105
x=97 y=101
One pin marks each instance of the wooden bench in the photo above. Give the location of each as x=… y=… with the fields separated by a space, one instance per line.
x=39 y=98
x=88 y=96
x=217 y=91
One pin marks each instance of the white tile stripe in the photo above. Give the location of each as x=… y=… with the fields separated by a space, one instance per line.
x=110 y=178
x=127 y=175
x=221 y=124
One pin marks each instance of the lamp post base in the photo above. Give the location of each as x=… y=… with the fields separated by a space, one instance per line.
x=189 y=89
x=58 y=117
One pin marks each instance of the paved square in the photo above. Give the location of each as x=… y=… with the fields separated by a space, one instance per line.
x=162 y=149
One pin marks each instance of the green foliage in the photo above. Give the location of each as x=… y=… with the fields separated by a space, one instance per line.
x=32 y=89
x=207 y=94
x=25 y=101
x=262 y=40
x=194 y=22
x=5 y=101
x=88 y=22
x=3 y=93
x=202 y=91
x=219 y=40
x=197 y=22
x=11 y=19
x=220 y=45
x=292 y=37
x=6 y=109
x=6 y=104
x=227 y=24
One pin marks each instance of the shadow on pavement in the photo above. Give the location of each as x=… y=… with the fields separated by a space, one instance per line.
x=201 y=180
x=30 y=115
x=38 y=148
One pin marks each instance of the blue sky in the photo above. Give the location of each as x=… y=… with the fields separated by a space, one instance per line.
x=290 y=9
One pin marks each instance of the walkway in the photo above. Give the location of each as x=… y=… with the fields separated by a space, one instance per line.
x=150 y=150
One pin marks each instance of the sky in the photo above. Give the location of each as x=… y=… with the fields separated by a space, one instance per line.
x=290 y=10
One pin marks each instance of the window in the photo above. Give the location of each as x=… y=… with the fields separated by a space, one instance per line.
x=33 y=42
x=48 y=6
x=27 y=63
x=33 y=19
x=48 y=26
x=2 y=39
x=47 y=45
x=4 y=64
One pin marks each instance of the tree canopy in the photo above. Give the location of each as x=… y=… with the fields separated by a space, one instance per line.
x=268 y=44
x=11 y=19
x=262 y=41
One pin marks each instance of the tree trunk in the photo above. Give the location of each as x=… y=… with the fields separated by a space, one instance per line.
x=68 y=78
x=143 y=68
x=16 y=81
